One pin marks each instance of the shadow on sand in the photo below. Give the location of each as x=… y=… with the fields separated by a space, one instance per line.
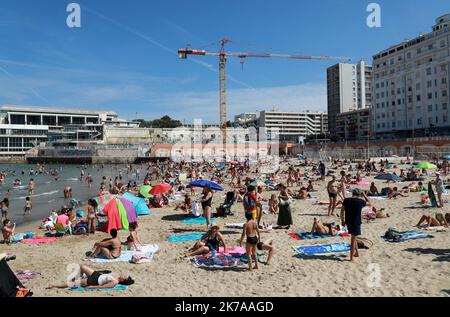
x=441 y=254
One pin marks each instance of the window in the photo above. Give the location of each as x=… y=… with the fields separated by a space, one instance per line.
x=444 y=106
x=417 y=86
x=444 y=93
x=419 y=121
x=408 y=55
x=430 y=95
x=444 y=81
x=429 y=71
x=443 y=43
x=430 y=108
x=429 y=84
x=418 y=98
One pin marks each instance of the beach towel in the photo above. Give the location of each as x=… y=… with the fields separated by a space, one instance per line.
x=322 y=248
x=393 y=235
x=312 y=236
x=147 y=251
x=25 y=276
x=217 y=260
x=436 y=228
x=115 y=288
x=185 y=237
x=38 y=240
x=235 y=225
x=234 y=251
x=378 y=197
x=199 y=220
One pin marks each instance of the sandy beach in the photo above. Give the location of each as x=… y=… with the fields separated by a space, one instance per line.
x=411 y=268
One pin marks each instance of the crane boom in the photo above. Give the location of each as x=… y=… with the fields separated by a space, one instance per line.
x=183 y=53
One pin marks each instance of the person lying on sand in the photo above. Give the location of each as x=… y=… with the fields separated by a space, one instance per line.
x=186 y=205
x=110 y=248
x=96 y=279
x=324 y=229
x=211 y=241
x=394 y=193
x=414 y=188
x=437 y=221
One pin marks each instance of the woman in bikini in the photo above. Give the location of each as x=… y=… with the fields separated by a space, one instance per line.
x=211 y=241
x=91 y=216
x=132 y=239
x=110 y=248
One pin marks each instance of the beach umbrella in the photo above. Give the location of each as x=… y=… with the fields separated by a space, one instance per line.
x=425 y=165
x=144 y=191
x=220 y=166
x=388 y=177
x=301 y=157
x=103 y=200
x=258 y=182
x=139 y=204
x=204 y=183
x=160 y=189
x=120 y=212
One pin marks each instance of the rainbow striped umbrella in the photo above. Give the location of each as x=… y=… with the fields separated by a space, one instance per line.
x=119 y=210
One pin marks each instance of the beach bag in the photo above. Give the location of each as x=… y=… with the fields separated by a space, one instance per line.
x=196 y=209
x=364 y=243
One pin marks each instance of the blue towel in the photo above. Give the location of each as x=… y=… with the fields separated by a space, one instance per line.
x=199 y=220
x=185 y=237
x=125 y=256
x=118 y=287
x=322 y=248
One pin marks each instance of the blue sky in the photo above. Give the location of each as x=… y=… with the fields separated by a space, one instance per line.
x=124 y=57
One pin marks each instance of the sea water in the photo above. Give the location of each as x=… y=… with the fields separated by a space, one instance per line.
x=49 y=193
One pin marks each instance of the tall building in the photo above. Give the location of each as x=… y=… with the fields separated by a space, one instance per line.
x=411 y=85
x=292 y=125
x=349 y=88
x=354 y=125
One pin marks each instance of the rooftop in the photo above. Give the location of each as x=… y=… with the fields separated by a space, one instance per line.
x=21 y=108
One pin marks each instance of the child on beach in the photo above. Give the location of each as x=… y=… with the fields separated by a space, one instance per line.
x=133 y=237
x=8 y=232
x=273 y=204
x=91 y=216
x=250 y=230
x=28 y=206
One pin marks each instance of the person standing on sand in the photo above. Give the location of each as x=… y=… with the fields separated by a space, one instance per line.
x=250 y=230
x=440 y=189
x=332 y=189
x=206 y=202
x=351 y=217
x=322 y=171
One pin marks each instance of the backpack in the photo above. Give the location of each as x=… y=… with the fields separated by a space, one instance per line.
x=249 y=203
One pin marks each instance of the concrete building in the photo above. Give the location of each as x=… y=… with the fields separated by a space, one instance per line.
x=411 y=86
x=292 y=125
x=33 y=125
x=245 y=118
x=349 y=87
x=354 y=125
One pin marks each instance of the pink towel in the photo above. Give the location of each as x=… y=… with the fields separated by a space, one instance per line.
x=237 y=250
x=39 y=240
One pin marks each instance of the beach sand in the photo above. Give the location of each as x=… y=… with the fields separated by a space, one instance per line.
x=412 y=268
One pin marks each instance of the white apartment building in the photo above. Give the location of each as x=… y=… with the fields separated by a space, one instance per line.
x=292 y=125
x=411 y=85
x=354 y=125
x=349 y=88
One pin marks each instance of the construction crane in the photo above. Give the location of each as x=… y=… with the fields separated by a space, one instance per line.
x=183 y=53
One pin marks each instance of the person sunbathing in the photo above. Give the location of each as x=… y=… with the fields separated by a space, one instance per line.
x=424 y=198
x=186 y=206
x=301 y=194
x=95 y=279
x=273 y=205
x=394 y=193
x=324 y=229
x=437 y=221
x=415 y=188
x=110 y=248
x=211 y=241
x=373 y=191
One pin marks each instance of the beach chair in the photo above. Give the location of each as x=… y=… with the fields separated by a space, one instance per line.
x=61 y=229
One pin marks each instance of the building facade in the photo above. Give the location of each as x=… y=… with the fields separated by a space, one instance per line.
x=354 y=125
x=349 y=87
x=411 y=86
x=245 y=118
x=23 y=127
x=292 y=125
